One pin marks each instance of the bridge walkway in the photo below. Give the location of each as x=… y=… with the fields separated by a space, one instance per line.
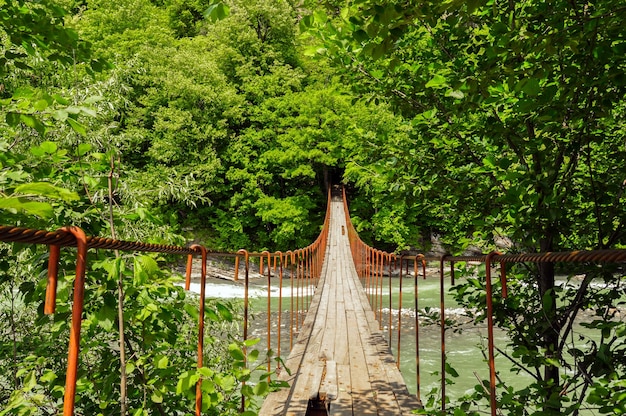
x=341 y=360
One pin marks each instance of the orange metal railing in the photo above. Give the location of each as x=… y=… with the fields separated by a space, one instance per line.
x=370 y=265
x=302 y=266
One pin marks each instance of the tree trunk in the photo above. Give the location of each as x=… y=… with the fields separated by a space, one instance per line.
x=546 y=280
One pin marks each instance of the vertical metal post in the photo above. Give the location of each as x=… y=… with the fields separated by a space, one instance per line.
x=280 y=300
x=246 y=287
x=188 y=272
x=291 y=261
x=442 y=315
x=417 y=327
x=77 y=313
x=53 y=277
x=203 y=251
x=398 y=351
x=490 y=340
x=269 y=304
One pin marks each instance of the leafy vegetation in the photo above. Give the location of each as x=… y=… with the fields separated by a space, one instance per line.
x=480 y=122
x=515 y=113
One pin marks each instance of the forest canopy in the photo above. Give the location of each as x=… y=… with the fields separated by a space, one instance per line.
x=480 y=124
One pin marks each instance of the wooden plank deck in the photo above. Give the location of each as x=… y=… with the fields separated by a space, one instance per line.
x=340 y=354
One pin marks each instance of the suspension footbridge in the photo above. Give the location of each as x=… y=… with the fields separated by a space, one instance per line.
x=341 y=361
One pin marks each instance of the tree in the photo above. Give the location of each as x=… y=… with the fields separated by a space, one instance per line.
x=517 y=117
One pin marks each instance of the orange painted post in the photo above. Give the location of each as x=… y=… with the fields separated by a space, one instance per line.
x=236 y=277
x=203 y=252
x=77 y=313
x=308 y=278
x=188 y=271
x=269 y=305
x=246 y=287
x=280 y=300
x=373 y=285
x=375 y=265
x=442 y=315
x=368 y=271
x=417 y=327
x=452 y=281
x=381 y=267
x=399 y=314
x=53 y=277
x=290 y=257
x=417 y=332
x=390 y=302
x=297 y=263
x=505 y=291
x=490 y=340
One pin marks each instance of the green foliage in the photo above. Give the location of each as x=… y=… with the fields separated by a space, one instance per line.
x=514 y=119
x=33 y=29
x=161 y=329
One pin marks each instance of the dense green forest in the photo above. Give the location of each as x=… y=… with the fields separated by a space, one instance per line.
x=485 y=123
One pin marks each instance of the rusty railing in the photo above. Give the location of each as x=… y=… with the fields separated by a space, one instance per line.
x=303 y=268
x=370 y=264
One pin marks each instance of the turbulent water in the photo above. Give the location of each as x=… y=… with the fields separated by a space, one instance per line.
x=462 y=349
x=464 y=343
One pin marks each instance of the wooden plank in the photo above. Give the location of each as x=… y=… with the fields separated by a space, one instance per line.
x=376 y=355
x=327 y=321
x=307 y=389
x=341 y=337
x=328 y=389
x=278 y=402
x=363 y=398
x=342 y=406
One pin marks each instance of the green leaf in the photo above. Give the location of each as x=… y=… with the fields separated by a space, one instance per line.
x=48 y=377
x=59 y=115
x=548 y=301
x=438 y=81
x=33 y=123
x=161 y=362
x=76 y=126
x=531 y=87
x=450 y=370
x=455 y=94
x=261 y=388
x=23 y=92
x=12 y=119
x=206 y=372
x=472 y=5
x=217 y=11
x=253 y=356
x=224 y=311
x=40 y=105
x=48 y=190
x=361 y=35
x=320 y=16
x=40 y=209
x=147 y=264
x=106 y=317
x=236 y=352
x=251 y=342
x=30 y=381
x=130 y=367
x=83 y=149
x=48 y=147
x=156 y=396
x=60 y=99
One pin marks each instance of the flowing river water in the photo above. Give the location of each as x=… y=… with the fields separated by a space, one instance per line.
x=465 y=345
x=463 y=349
